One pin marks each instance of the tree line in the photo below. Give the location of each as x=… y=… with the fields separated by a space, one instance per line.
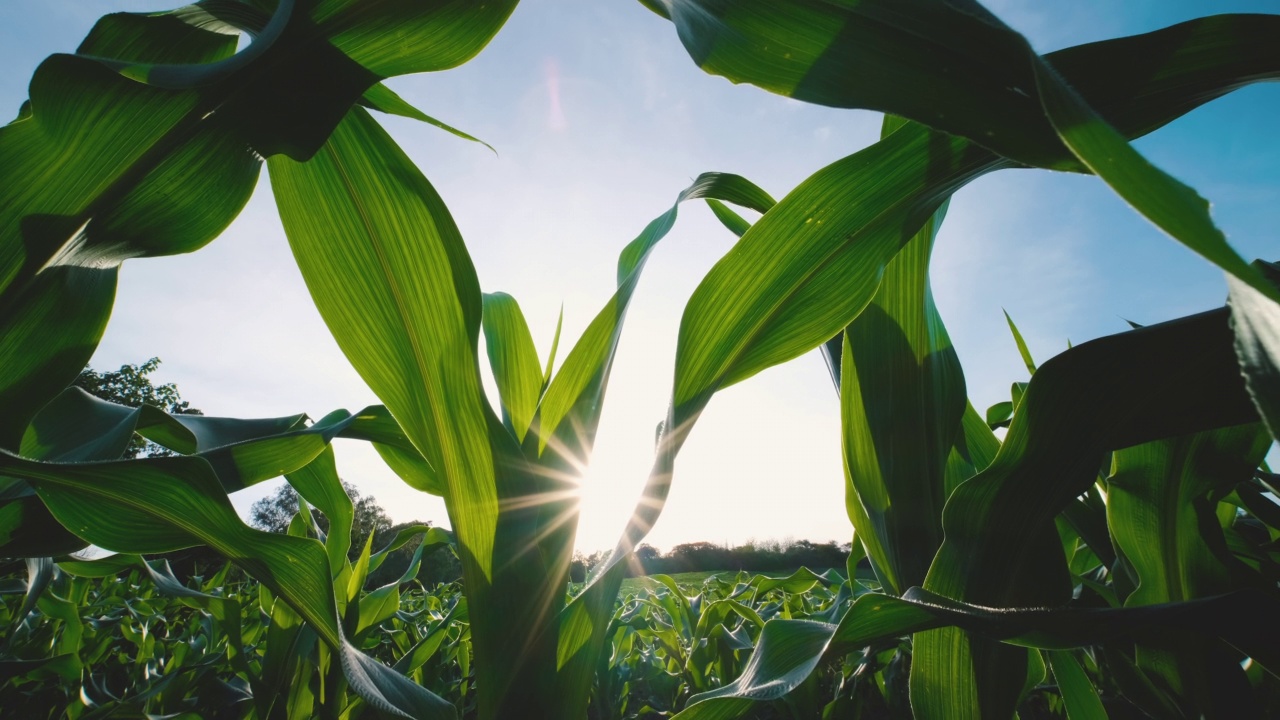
x=753 y=556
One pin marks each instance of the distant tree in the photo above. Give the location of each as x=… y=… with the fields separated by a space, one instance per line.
x=650 y=559
x=132 y=386
x=582 y=563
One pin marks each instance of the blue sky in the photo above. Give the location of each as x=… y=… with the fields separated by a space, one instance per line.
x=600 y=119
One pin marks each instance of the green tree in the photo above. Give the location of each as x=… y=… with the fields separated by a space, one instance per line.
x=131 y=385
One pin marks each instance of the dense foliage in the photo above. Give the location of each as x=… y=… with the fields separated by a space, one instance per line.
x=149 y=651
x=1115 y=550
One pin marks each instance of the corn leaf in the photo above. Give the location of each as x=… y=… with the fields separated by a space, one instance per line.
x=318 y=483
x=1174 y=207
x=902 y=398
x=1001 y=548
x=1023 y=350
x=1077 y=692
x=514 y=360
x=377 y=426
x=383 y=99
x=1161 y=503
x=360 y=216
x=577 y=389
x=570 y=412
x=147 y=142
x=164 y=504
x=952 y=65
x=1256 y=321
x=789 y=650
x=38 y=363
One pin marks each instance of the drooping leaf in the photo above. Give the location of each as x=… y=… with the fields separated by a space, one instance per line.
x=389 y=691
x=1001 y=548
x=163 y=504
x=377 y=426
x=1174 y=207
x=954 y=66
x=789 y=650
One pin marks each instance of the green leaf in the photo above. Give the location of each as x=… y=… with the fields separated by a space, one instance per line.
x=224 y=610
x=1077 y=692
x=727 y=217
x=376 y=425
x=514 y=360
x=164 y=504
x=389 y=691
x=124 y=155
x=381 y=98
x=1022 y=345
x=187 y=35
x=1001 y=548
x=39 y=575
x=1162 y=499
x=359 y=215
x=578 y=388
x=955 y=67
x=576 y=394
x=318 y=483
x=1161 y=503
x=1256 y=321
x=902 y=398
x=77 y=427
x=1174 y=207
x=809 y=266
x=47 y=339
x=430 y=642
x=998 y=415
x=398 y=37
x=390 y=275
x=785 y=655
x=789 y=650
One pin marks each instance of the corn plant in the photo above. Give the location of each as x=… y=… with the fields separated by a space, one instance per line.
x=147 y=129
x=970 y=538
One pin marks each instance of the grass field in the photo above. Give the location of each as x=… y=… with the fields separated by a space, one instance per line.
x=694 y=580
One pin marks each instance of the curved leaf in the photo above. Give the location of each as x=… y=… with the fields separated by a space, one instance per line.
x=789 y=650
x=164 y=504
x=575 y=394
x=952 y=65
x=1001 y=548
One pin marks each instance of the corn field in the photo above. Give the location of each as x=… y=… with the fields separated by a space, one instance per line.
x=1111 y=553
